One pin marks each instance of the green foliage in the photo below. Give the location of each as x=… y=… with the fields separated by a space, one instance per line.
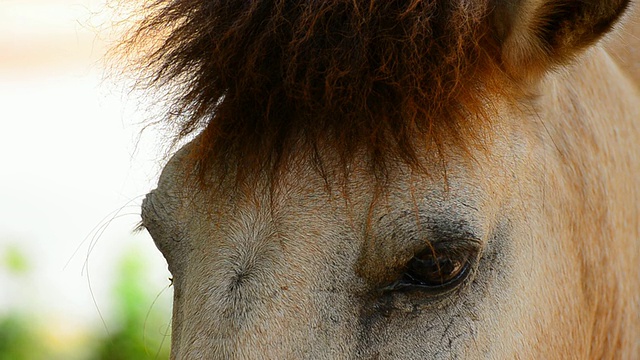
x=138 y=329
x=140 y=334
x=15 y=260
x=18 y=340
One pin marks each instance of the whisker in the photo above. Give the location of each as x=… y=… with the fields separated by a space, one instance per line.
x=95 y=304
x=146 y=319
x=96 y=228
x=101 y=230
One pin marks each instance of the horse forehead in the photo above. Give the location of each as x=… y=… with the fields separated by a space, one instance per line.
x=304 y=219
x=305 y=199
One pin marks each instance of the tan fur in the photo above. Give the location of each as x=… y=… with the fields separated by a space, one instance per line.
x=551 y=196
x=624 y=46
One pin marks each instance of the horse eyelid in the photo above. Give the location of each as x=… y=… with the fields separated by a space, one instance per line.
x=458 y=244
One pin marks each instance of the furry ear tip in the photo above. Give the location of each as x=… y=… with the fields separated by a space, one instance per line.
x=539 y=36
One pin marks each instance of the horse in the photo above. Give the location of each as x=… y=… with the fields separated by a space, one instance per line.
x=416 y=179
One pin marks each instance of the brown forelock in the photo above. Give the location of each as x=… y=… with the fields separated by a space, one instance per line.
x=267 y=78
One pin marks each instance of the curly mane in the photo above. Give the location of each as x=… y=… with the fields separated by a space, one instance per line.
x=267 y=78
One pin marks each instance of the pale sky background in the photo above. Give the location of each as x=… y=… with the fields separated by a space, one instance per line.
x=69 y=158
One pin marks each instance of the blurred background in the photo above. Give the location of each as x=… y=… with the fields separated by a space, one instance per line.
x=75 y=281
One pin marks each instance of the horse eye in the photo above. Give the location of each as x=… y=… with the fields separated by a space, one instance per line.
x=435 y=270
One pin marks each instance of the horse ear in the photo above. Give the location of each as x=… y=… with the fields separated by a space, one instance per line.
x=537 y=35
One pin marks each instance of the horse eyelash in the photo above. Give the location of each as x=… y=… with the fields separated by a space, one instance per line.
x=139 y=227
